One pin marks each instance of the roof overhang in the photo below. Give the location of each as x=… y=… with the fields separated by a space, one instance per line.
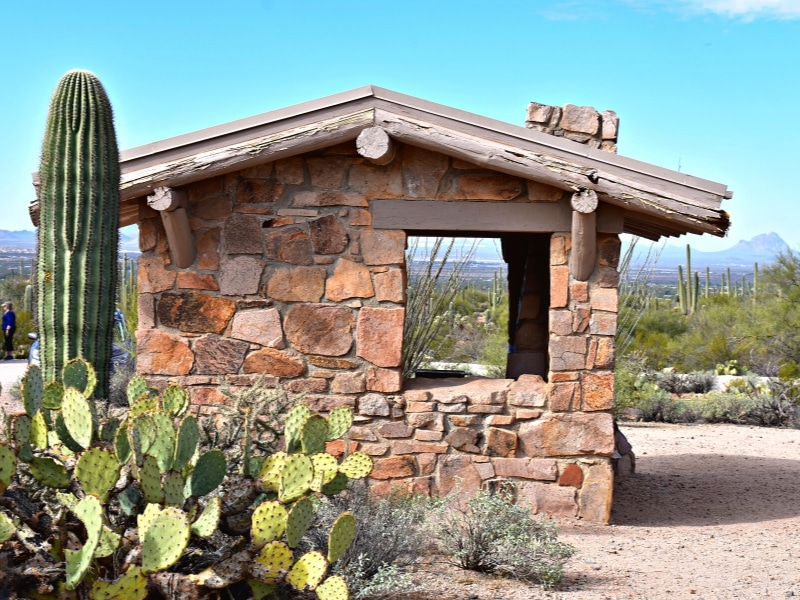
x=657 y=201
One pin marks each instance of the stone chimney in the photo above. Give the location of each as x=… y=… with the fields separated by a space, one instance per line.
x=581 y=124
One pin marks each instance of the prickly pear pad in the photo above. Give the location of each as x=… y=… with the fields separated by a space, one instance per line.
x=207 y=522
x=272 y=562
x=325 y=470
x=186 y=443
x=97 y=471
x=208 y=473
x=295 y=419
x=137 y=387
x=39 y=430
x=296 y=477
x=356 y=466
x=339 y=422
x=77 y=417
x=165 y=540
x=21 y=426
x=269 y=475
x=109 y=541
x=32 y=389
x=79 y=374
x=51 y=396
x=314 y=434
x=131 y=586
x=90 y=511
x=150 y=480
x=333 y=588
x=175 y=400
x=269 y=522
x=174 y=486
x=8 y=466
x=50 y=472
x=143 y=521
x=342 y=534
x=308 y=571
x=299 y=520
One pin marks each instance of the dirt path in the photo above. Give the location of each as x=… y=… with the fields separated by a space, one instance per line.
x=713 y=512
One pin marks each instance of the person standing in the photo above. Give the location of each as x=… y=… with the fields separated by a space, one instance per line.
x=9 y=327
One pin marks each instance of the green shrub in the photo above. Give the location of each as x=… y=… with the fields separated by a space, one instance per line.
x=697 y=382
x=390 y=536
x=493 y=534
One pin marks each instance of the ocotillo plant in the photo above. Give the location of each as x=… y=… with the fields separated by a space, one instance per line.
x=78 y=238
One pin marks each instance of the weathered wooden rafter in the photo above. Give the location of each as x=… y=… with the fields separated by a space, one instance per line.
x=171 y=204
x=655 y=201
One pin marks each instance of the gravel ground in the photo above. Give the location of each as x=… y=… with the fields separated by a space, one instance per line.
x=713 y=512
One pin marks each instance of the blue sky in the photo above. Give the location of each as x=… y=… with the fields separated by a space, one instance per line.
x=710 y=87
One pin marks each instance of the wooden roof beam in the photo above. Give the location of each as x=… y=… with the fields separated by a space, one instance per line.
x=171 y=203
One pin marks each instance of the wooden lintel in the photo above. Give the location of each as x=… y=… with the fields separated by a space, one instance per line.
x=465 y=216
x=583 y=255
x=375 y=144
x=170 y=202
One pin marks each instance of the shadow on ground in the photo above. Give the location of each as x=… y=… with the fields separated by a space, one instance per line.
x=700 y=489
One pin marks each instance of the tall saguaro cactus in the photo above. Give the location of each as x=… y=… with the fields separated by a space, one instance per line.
x=78 y=236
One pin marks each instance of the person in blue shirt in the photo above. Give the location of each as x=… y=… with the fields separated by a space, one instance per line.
x=9 y=327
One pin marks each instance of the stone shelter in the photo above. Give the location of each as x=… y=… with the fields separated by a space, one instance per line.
x=274 y=247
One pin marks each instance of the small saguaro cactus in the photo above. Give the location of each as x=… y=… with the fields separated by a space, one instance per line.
x=78 y=236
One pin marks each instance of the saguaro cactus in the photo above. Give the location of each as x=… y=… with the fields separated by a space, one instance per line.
x=78 y=228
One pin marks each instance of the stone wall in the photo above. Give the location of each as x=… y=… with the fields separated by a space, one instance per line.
x=581 y=124
x=292 y=283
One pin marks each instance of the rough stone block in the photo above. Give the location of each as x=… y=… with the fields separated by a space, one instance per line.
x=464 y=420
x=394 y=467
x=464 y=439
x=384 y=380
x=262 y=327
x=541 y=469
x=414 y=447
x=289 y=171
x=194 y=312
x=571 y=475
x=563 y=376
x=328 y=235
x=559 y=286
x=457 y=473
x=561 y=322
x=161 y=353
x=427 y=463
x=349 y=280
x=420 y=407
x=243 y=234
x=499 y=420
x=240 y=276
x=147 y=311
x=559 y=249
x=379 y=335
x=488 y=186
x=423 y=171
x=216 y=355
x=581 y=319
x=552 y=500
x=528 y=390
x=208 y=396
x=453 y=408
x=390 y=286
x=191 y=280
x=290 y=245
x=431 y=420
x=376 y=449
x=349 y=383
x=297 y=284
x=323 y=329
x=567 y=353
x=604 y=299
x=383 y=247
x=328 y=198
x=596 y=494
x=152 y=277
x=313 y=385
x=579 y=291
x=527 y=413
x=576 y=433
x=426 y=435
x=208 y=250
x=603 y=323
x=606 y=353
x=395 y=429
x=597 y=391
x=327 y=362
x=500 y=442
x=540 y=192
x=486 y=409
x=580 y=119
x=608 y=250
x=326 y=403
x=484 y=469
x=373 y=405
x=275 y=362
x=563 y=396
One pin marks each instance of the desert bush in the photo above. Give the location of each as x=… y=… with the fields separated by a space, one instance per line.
x=660 y=406
x=776 y=404
x=698 y=382
x=390 y=536
x=494 y=534
x=721 y=407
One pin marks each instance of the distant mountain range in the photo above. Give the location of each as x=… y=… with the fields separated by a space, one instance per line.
x=27 y=239
x=762 y=249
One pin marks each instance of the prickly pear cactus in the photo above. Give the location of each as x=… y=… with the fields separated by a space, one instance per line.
x=7 y=528
x=49 y=472
x=208 y=521
x=272 y=562
x=97 y=471
x=269 y=523
x=307 y=572
x=299 y=520
x=333 y=588
x=8 y=466
x=131 y=586
x=32 y=390
x=77 y=415
x=165 y=540
x=342 y=534
x=339 y=422
x=208 y=473
x=293 y=428
x=90 y=511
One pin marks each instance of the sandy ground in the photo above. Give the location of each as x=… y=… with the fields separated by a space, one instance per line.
x=11 y=371
x=713 y=512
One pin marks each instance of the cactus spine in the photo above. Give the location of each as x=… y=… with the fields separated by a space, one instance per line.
x=78 y=237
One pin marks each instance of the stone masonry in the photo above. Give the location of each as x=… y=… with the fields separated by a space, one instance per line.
x=291 y=283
